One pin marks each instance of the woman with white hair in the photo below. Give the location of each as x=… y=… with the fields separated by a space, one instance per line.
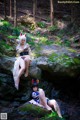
x=23 y=60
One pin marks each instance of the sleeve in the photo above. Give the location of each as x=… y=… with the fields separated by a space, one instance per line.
x=19 y=50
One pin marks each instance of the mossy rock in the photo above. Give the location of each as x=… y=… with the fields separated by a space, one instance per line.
x=39 y=111
x=34 y=109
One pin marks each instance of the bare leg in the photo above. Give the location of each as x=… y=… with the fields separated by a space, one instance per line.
x=54 y=104
x=43 y=99
x=21 y=71
x=27 y=63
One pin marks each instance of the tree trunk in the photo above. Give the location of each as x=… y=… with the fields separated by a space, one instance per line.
x=73 y=13
x=10 y=8
x=51 y=12
x=5 y=9
x=34 y=7
x=15 y=13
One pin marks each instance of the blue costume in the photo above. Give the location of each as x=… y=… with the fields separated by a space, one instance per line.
x=35 y=96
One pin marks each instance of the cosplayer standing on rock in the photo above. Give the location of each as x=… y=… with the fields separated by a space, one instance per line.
x=23 y=60
x=39 y=98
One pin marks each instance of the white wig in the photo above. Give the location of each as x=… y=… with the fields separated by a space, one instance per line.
x=21 y=37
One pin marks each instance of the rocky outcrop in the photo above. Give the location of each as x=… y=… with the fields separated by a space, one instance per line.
x=58 y=62
x=59 y=66
x=7 y=64
x=53 y=59
x=34 y=109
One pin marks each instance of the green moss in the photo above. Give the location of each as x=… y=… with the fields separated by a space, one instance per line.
x=71 y=50
x=52 y=116
x=37 y=50
x=48 y=42
x=63 y=60
x=53 y=28
x=76 y=61
x=36 y=110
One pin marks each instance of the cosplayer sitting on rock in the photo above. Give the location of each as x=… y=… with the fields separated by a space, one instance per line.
x=23 y=60
x=41 y=100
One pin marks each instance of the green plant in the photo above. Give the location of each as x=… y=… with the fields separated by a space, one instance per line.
x=6 y=23
x=67 y=43
x=48 y=42
x=16 y=31
x=52 y=116
x=61 y=59
x=41 y=24
x=32 y=26
x=43 y=40
x=38 y=33
x=4 y=45
x=58 y=42
x=4 y=26
x=53 y=28
x=12 y=37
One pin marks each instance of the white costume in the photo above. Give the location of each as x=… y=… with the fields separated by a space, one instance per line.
x=19 y=59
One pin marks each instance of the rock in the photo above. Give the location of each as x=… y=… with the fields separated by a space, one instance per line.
x=33 y=109
x=59 y=60
x=7 y=64
x=54 y=94
x=34 y=70
x=59 y=65
x=54 y=59
x=7 y=89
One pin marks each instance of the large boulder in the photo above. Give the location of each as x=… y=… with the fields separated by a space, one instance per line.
x=58 y=65
x=60 y=62
x=7 y=88
x=7 y=64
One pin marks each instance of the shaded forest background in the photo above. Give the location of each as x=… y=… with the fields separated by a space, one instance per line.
x=68 y=12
